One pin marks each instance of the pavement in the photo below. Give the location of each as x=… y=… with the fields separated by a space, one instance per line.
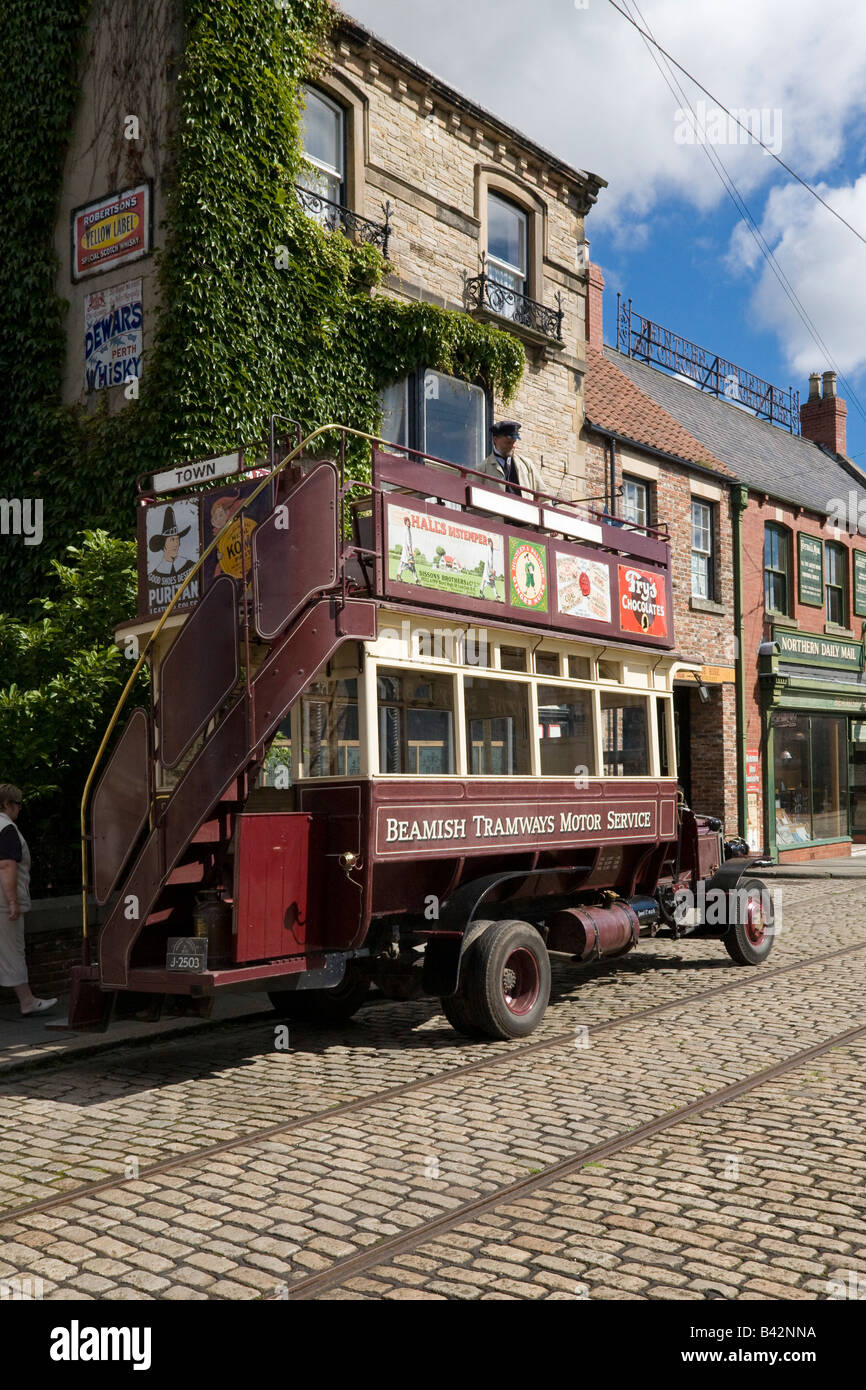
x=47 y=1038
x=392 y=1122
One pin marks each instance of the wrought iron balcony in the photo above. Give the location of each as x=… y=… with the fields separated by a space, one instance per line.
x=482 y=293
x=334 y=217
x=649 y=342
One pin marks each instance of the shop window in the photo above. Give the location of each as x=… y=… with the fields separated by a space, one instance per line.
x=610 y=671
x=323 y=139
x=835 y=586
x=777 y=569
x=625 y=734
x=416 y=723
x=497 y=726
x=634 y=504
x=810 y=755
x=565 y=731
x=329 y=725
x=702 y=550
x=507 y=262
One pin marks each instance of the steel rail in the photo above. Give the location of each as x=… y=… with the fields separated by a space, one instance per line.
x=391 y=1093
x=308 y=1286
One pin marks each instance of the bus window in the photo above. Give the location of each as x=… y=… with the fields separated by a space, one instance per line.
x=547 y=663
x=662 y=720
x=625 y=741
x=416 y=723
x=565 y=730
x=497 y=726
x=276 y=770
x=329 y=722
x=512 y=658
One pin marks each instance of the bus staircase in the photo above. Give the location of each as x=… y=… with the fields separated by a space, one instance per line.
x=298 y=615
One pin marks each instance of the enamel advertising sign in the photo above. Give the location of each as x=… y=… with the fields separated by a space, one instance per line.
x=171 y=548
x=112 y=231
x=642 y=603
x=113 y=321
x=455 y=557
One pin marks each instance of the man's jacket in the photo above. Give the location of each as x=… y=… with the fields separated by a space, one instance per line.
x=528 y=476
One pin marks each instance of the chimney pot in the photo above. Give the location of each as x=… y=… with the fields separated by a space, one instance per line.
x=823 y=420
x=814 y=386
x=829 y=380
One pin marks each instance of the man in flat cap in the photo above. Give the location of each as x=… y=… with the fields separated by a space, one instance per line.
x=511 y=471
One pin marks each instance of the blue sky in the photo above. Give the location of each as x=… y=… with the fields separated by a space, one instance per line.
x=574 y=76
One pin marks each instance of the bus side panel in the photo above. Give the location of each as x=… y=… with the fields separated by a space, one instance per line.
x=279 y=868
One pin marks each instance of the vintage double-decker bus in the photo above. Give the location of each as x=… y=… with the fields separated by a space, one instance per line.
x=415 y=733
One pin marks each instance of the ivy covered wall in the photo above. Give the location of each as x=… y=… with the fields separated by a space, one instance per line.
x=261 y=311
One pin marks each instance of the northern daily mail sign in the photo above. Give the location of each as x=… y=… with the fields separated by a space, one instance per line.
x=201 y=471
x=437 y=830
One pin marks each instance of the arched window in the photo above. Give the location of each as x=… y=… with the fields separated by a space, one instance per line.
x=507 y=249
x=323 y=137
x=777 y=569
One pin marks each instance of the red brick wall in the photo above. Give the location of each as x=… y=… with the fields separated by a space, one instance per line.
x=707 y=638
x=758 y=625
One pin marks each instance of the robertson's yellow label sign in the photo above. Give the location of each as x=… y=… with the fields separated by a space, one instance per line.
x=110 y=232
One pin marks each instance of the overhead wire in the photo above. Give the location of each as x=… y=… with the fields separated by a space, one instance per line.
x=736 y=197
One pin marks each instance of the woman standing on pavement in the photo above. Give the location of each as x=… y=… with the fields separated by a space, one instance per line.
x=14 y=902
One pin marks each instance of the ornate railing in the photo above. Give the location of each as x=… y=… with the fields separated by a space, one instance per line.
x=483 y=292
x=647 y=341
x=334 y=217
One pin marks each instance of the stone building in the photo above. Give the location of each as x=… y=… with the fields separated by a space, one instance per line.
x=472 y=214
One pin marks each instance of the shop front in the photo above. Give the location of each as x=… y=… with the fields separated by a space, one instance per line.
x=814 y=736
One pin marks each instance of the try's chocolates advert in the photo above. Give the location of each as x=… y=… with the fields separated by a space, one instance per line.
x=642 y=602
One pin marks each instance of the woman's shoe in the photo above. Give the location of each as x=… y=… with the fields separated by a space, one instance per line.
x=39 y=1006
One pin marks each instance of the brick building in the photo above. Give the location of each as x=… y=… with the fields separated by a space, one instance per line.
x=652 y=471
x=800 y=604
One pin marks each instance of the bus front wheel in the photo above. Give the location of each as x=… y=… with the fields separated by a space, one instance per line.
x=504 y=983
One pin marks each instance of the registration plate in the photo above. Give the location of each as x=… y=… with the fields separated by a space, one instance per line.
x=186 y=953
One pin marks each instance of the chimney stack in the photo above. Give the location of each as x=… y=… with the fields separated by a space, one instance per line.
x=594 y=298
x=822 y=417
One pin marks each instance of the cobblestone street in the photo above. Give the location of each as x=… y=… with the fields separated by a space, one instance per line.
x=392 y=1159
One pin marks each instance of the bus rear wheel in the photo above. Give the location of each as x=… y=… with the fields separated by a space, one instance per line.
x=504 y=983
x=750 y=940
x=323 y=1006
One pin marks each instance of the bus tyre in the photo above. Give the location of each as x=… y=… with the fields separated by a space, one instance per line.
x=505 y=981
x=324 y=1006
x=750 y=939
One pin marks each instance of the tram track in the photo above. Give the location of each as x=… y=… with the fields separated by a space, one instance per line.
x=343 y=1108
x=349 y=1267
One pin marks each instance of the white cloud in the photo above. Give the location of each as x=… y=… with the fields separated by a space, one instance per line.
x=826 y=265
x=581 y=82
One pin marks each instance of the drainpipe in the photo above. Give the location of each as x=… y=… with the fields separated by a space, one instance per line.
x=612 y=507
x=739 y=502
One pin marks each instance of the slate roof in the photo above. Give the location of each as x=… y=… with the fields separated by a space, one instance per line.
x=765 y=457
x=613 y=402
